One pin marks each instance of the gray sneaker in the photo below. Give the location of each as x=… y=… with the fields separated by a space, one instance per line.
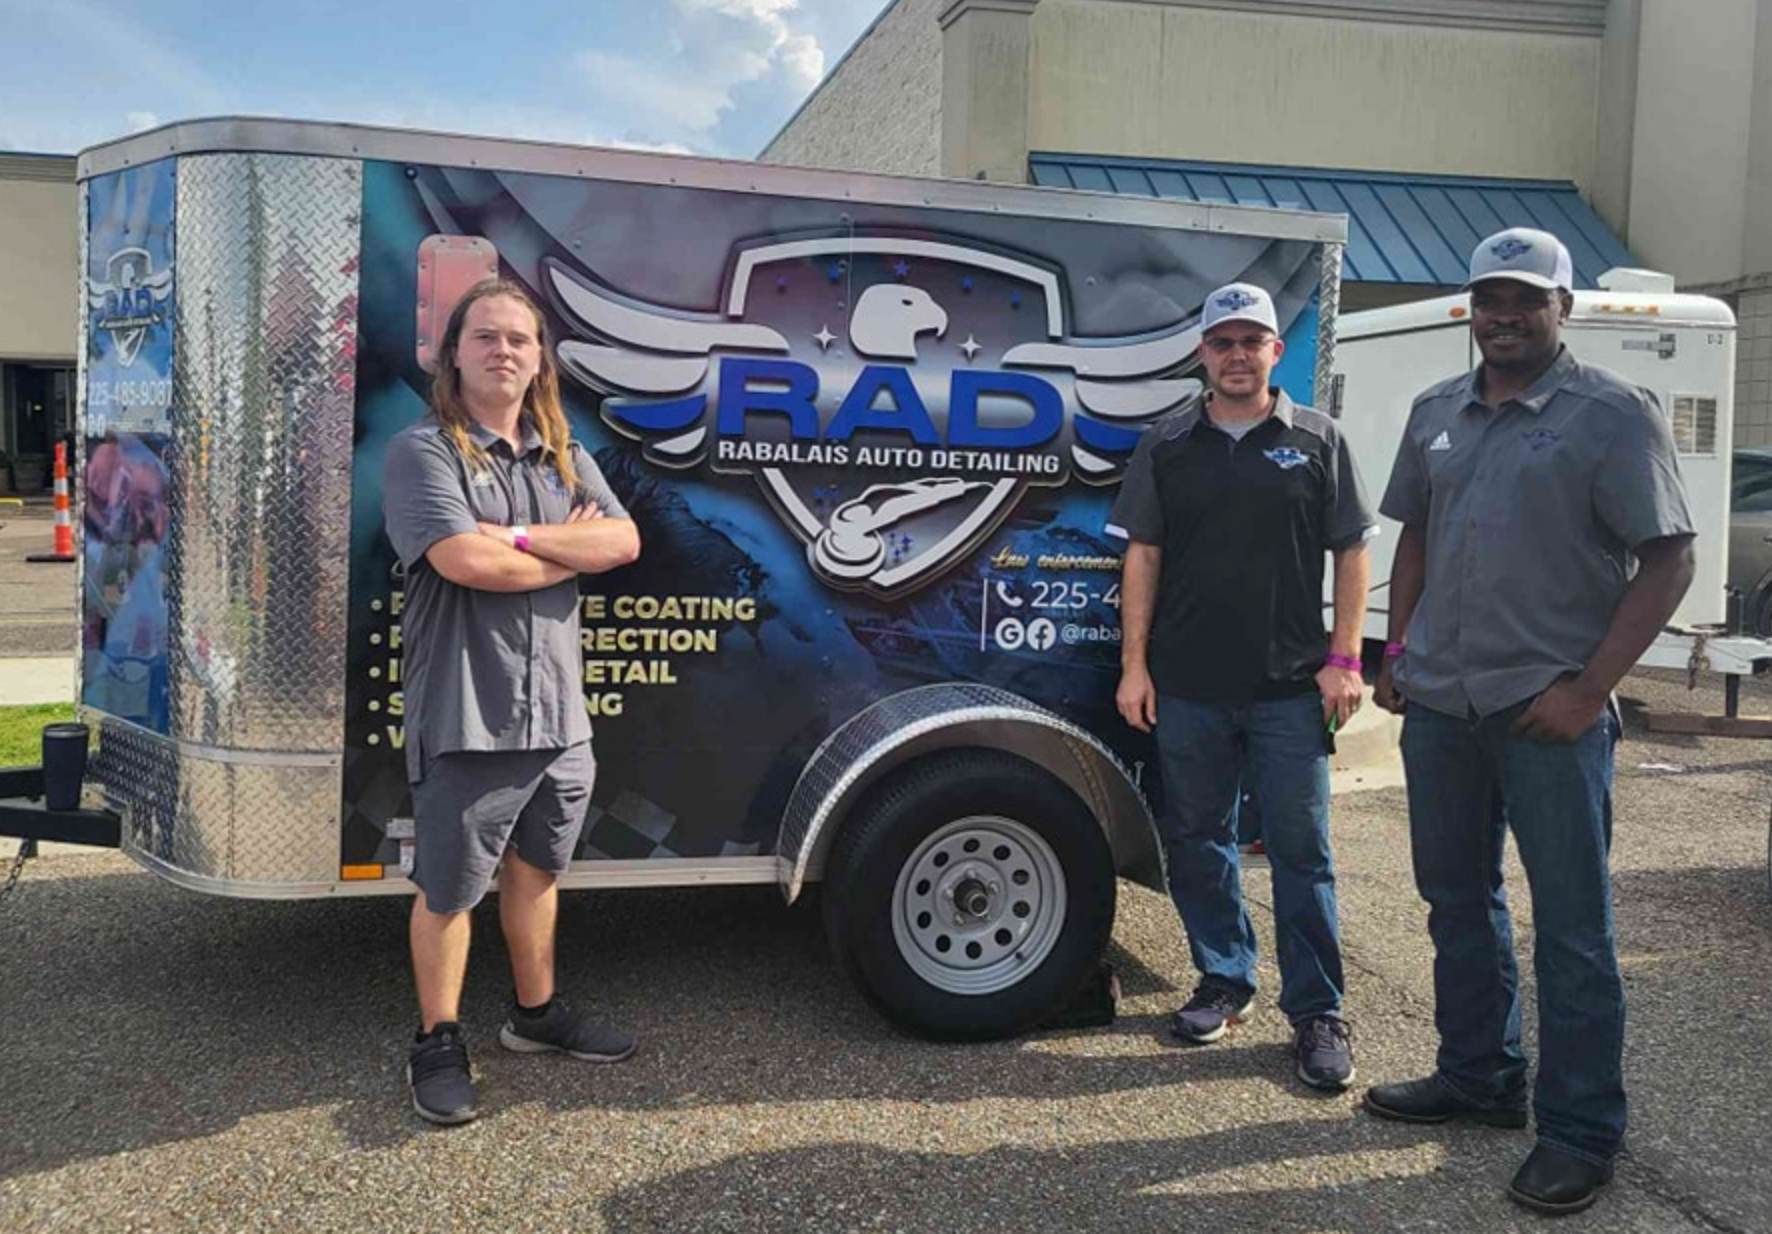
x=1324 y=1049
x=441 y=1080
x=565 y=1030
x=1206 y=1016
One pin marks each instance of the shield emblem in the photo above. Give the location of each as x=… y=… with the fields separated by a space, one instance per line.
x=885 y=322
x=894 y=396
x=127 y=300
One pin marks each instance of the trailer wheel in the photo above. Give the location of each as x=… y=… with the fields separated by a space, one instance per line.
x=970 y=895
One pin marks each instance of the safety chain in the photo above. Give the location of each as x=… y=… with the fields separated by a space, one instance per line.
x=1698 y=661
x=27 y=849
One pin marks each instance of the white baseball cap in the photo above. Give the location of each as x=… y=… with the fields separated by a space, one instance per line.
x=1527 y=256
x=1239 y=302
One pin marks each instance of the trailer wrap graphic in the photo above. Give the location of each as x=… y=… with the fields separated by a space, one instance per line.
x=130 y=309
x=868 y=448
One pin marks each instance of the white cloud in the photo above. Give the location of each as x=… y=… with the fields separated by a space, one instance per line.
x=802 y=59
x=140 y=121
x=716 y=47
x=682 y=100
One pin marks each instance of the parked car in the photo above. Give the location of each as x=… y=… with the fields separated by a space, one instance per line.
x=1750 y=536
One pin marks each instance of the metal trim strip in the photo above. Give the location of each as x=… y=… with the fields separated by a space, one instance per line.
x=246 y=134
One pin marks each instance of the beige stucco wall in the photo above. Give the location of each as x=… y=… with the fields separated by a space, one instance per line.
x=1695 y=137
x=880 y=108
x=39 y=269
x=1155 y=79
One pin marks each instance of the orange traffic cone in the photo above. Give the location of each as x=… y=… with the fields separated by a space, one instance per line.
x=64 y=528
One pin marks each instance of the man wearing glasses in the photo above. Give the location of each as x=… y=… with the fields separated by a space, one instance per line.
x=1229 y=508
x=1545 y=543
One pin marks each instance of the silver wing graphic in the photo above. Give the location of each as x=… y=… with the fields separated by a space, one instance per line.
x=649 y=353
x=1125 y=386
x=158 y=285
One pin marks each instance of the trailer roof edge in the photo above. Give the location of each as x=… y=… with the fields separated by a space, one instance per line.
x=268 y=135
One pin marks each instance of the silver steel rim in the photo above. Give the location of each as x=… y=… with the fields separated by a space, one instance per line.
x=979 y=905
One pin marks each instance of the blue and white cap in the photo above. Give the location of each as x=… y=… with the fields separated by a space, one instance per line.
x=1239 y=302
x=1527 y=256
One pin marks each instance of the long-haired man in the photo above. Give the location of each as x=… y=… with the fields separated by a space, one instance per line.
x=495 y=513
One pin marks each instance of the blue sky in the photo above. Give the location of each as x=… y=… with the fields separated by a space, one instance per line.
x=708 y=76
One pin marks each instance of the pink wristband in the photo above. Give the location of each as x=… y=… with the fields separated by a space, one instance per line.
x=520 y=542
x=1393 y=650
x=1351 y=663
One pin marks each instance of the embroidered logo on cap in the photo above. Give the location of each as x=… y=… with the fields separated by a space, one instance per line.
x=1234 y=300
x=1510 y=248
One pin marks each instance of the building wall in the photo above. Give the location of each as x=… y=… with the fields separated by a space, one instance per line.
x=1753 y=369
x=1176 y=80
x=1694 y=133
x=39 y=301
x=40 y=255
x=880 y=108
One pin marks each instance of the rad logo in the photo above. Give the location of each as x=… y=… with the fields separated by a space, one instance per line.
x=1510 y=249
x=126 y=302
x=893 y=396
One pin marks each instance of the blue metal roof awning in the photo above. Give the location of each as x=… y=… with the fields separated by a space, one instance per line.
x=1401 y=228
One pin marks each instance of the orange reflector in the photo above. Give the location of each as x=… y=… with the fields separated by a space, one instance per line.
x=1458 y=310
x=352 y=874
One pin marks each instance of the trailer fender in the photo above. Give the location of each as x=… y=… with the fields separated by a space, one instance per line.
x=947 y=716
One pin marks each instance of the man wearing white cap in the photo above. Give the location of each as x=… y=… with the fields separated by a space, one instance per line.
x=1229 y=508
x=1545 y=542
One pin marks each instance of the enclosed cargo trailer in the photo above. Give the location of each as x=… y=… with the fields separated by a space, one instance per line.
x=870 y=429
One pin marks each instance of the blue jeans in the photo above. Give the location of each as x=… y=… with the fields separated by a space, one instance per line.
x=1283 y=761
x=1469 y=782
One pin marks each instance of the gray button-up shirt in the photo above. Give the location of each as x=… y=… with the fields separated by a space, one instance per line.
x=1532 y=511
x=485 y=670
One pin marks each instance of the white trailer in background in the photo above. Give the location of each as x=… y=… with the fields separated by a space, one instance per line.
x=1679 y=347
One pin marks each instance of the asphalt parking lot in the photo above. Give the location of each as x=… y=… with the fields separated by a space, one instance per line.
x=181 y=1063
x=175 y=1062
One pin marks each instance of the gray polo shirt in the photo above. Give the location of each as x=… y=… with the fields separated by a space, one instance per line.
x=485 y=670
x=1532 y=512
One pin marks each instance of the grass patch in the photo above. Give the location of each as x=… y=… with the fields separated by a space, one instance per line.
x=21 y=731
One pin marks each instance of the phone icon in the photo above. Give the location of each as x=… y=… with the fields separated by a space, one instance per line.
x=1007 y=595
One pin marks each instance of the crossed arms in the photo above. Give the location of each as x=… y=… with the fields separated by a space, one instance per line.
x=489 y=560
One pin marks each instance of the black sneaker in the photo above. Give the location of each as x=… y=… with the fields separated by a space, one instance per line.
x=567 y=1031
x=440 y=1078
x=1324 y=1049
x=1206 y=1016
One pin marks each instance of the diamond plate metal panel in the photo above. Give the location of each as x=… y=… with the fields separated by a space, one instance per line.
x=226 y=822
x=243 y=796
x=1328 y=309
x=264 y=382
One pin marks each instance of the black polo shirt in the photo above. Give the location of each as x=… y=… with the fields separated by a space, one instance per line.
x=1243 y=526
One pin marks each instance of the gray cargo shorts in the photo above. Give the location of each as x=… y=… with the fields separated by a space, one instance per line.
x=470 y=806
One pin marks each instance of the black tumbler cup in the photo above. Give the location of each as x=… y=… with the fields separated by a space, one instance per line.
x=64 y=765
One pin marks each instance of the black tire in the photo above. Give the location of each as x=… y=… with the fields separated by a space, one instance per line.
x=973 y=791
x=1760 y=615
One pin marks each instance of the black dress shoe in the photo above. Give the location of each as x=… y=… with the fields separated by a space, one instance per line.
x=1431 y=1100
x=1552 y=1181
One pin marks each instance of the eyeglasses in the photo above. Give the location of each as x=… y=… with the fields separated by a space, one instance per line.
x=1225 y=346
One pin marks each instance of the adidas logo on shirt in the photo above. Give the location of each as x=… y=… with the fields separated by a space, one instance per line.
x=1442 y=442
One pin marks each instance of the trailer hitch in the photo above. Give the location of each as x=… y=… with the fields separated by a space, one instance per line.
x=23 y=813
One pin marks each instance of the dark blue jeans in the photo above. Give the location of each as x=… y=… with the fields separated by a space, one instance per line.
x=1470 y=780
x=1283 y=761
